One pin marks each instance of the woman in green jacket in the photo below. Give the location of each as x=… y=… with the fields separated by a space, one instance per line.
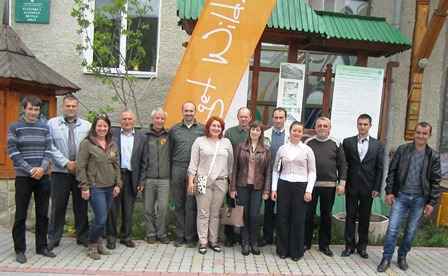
x=99 y=175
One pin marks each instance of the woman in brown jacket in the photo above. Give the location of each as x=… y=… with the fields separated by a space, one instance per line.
x=251 y=180
x=98 y=173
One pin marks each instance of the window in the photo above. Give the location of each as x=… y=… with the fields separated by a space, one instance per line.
x=359 y=7
x=123 y=39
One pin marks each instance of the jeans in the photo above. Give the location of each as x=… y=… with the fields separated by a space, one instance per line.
x=25 y=188
x=409 y=207
x=100 y=201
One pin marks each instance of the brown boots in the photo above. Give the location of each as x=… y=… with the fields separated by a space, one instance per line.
x=92 y=251
x=95 y=250
x=101 y=249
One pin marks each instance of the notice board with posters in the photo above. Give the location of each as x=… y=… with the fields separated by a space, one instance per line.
x=357 y=90
x=32 y=11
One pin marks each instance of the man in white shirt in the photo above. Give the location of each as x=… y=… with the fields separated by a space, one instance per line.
x=130 y=144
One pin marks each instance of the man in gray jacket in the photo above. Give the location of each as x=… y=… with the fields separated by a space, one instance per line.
x=156 y=178
x=67 y=132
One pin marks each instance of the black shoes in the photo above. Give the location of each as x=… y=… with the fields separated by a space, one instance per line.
x=78 y=242
x=229 y=243
x=179 y=242
x=264 y=242
x=347 y=252
x=111 y=244
x=245 y=250
x=402 y=263
x=164 y=240
x=20 y=258
x=128 y=243
x=295 y=259
x=53 y=244
x=363 y=253
x=255 y=250
x=384 y=265
x=326 y=251
x=46 y=253
x=215 y=247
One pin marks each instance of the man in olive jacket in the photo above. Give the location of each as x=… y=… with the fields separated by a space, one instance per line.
x=156 y=178
x=412 y=189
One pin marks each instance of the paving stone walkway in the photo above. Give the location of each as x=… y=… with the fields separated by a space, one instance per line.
x=161 y=259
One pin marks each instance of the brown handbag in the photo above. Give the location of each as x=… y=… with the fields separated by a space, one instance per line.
x=232 y=215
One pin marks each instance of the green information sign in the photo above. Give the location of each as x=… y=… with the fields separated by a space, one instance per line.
x=32 y=11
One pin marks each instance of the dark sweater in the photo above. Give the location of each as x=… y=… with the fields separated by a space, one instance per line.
x=331 y=167
x=29 y=146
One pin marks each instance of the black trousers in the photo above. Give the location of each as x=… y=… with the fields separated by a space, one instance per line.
x=251 y=200
x=269 y=221
x=185 y=205
x=326 y=196
x=358 y=206
x=290 y=218
x=25 y=187
x=62 y=184
x=124 y=204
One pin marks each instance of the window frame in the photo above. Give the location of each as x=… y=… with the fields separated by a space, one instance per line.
x=116 y=71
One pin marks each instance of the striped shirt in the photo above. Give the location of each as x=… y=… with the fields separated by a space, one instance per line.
x=29 y=146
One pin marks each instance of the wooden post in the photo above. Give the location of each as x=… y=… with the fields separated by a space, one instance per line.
x=328 y=92
x=362 y=60
x=255 y=74
x=416 y=75
x=385 y=101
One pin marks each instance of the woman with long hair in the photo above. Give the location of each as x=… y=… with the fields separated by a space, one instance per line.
x=251 y=180
x=99 y=175
x=208 y=177
x=293 y=178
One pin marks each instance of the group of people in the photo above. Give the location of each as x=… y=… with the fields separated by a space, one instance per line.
x=202 y=166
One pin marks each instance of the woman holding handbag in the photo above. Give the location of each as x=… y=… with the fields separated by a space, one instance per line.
x=208 y=177
x=293 y=179
x=251 y=180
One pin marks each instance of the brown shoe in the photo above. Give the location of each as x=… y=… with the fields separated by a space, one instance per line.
x=92 y=251
x=101 y=249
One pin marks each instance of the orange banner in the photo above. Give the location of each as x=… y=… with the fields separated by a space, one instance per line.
x=217 y=55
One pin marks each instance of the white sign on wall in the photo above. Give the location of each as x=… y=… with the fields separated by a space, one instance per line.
x=357 y=90
x=290 y=90
x=239 y=100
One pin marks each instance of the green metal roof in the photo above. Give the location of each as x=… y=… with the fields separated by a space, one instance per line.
x=355 y=27
x=296 y=15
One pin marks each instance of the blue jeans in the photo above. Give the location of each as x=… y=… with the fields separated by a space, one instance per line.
x=409 y=207
x=100 y=201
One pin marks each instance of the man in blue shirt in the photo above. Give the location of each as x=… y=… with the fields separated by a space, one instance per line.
x=275 y=137
x=29 y=144
x=67 y=132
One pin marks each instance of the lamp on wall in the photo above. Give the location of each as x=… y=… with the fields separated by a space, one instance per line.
x=422 y=63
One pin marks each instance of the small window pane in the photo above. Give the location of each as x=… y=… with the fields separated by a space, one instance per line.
x=107 y=26
x=141 y=48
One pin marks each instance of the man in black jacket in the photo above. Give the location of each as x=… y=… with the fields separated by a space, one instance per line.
x=364 y=155
x=412 y=189
x=130 y=144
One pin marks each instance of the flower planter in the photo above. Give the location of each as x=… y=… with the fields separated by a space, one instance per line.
x=377 y=228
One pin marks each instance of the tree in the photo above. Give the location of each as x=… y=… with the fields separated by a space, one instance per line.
x=112 y=21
